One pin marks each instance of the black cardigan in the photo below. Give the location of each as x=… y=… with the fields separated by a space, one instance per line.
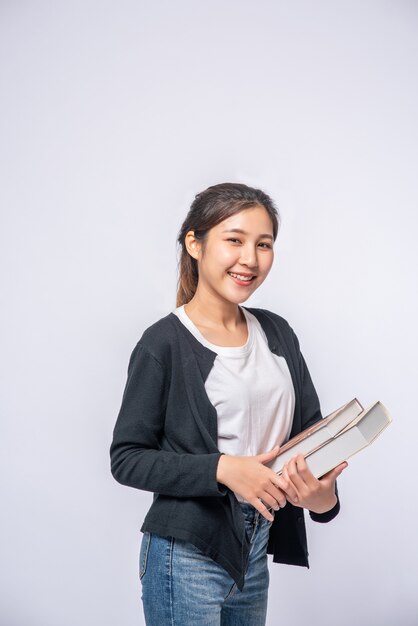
x=165 y=441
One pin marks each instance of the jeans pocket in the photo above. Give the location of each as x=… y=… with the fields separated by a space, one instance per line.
x=143 y=553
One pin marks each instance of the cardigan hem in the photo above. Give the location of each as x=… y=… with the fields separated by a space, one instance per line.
x=181 y=533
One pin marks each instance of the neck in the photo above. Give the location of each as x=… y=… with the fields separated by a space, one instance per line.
x=213 y=313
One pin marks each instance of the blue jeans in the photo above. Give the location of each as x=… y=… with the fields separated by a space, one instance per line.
x=183 y=587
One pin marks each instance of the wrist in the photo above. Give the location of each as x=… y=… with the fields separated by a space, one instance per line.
x=220 y=470
x=327 y=505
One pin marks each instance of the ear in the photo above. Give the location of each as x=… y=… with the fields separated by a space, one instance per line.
x=192 y=245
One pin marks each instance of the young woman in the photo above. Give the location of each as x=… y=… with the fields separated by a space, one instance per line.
x=213 y=389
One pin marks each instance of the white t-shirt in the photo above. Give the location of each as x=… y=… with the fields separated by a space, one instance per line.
x=252 y=391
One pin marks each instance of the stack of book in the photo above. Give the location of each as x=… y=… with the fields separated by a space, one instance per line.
x=335 y=438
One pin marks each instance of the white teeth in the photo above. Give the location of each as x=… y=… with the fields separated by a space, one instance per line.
x=247 y=278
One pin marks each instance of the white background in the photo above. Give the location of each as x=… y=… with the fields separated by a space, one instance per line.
x=113 y=116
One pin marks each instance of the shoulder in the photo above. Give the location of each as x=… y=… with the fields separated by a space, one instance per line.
x=276 y=328
x=158 y=339
x=266 y=318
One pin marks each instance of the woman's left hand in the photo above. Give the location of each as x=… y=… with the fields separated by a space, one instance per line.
x=316 y=495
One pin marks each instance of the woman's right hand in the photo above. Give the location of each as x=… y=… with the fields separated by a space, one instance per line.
x=256 y=483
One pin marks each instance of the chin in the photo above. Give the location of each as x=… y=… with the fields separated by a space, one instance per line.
x=238 y=300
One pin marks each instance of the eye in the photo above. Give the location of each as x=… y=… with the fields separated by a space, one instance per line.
x=267 y=245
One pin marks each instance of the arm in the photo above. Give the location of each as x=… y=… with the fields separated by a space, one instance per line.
x=137 y=459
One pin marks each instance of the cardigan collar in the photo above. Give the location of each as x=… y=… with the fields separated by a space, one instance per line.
x=209 y=355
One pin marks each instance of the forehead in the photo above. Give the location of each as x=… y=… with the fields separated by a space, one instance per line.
x=255 y=221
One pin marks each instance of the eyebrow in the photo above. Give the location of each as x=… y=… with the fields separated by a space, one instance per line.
x=239 y=230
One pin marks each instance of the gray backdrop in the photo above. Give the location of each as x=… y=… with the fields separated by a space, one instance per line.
x=113 y=115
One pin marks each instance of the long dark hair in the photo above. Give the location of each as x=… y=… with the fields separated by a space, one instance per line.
x=209 y=208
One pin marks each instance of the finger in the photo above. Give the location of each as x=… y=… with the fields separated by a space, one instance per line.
x=261 y=507
x=294 y=476
x=294 y=502
x=265 y=457
x=274 y=496
x=334 y=473
x=303 y=470
x=288 y=487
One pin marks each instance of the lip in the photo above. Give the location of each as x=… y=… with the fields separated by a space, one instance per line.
x=242 y=283
x=242 y=273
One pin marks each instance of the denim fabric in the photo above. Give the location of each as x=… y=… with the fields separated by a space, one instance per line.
x=183 y=587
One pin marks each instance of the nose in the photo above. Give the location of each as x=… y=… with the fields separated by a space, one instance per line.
x=248 y=256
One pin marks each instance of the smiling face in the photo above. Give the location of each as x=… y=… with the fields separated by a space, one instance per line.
x=239 y=245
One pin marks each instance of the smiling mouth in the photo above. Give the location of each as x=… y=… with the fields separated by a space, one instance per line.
x=242 y=278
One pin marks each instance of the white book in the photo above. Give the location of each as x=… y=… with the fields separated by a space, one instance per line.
x=316 y=435
x=358 y=435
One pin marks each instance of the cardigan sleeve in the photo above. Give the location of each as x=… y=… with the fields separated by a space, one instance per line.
x=137 y=459
x=310 y=406
x=311 y=413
